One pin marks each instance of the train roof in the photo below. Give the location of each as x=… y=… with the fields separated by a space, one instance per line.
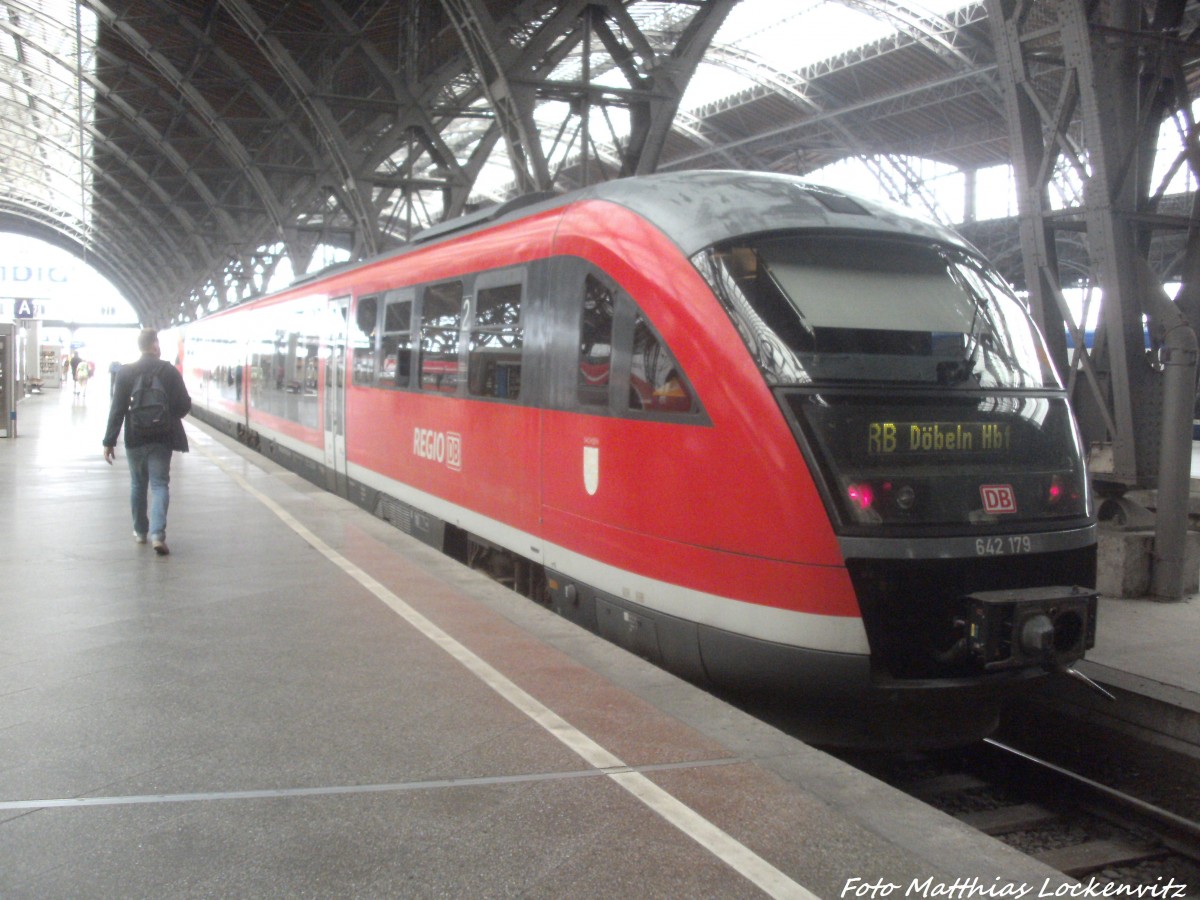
x=699 y=208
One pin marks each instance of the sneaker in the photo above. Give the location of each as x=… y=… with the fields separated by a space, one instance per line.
x=140 y=538
x=160 y=547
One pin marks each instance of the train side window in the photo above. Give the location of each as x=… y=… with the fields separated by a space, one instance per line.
x=494 y=357
x=656 y=383
x=395 y=342
x=441 y=323
x=595 y=342
x=284 y=362
x=362 y=340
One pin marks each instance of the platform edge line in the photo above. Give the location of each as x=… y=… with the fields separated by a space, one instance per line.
x=678 y=814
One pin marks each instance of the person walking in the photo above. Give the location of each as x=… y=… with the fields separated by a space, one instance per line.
x=75 y=361
x=82 y=373
x=149 y=401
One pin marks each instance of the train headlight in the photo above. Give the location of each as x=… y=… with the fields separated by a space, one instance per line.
x=863 y=496
x=1063 y=494
x=873 y=502
x=1055 y=491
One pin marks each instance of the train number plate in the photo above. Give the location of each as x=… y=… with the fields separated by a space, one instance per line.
x=1003 y=545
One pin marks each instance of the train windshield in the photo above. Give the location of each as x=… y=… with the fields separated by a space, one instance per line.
x=837 y=308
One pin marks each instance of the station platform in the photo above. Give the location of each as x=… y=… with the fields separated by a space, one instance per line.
x=300 y=700
x=1145 y=658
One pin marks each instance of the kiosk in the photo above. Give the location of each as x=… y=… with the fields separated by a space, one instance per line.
x=50 y=369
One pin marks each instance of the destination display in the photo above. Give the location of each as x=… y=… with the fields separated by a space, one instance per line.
x=917 y=459
x=885 y=438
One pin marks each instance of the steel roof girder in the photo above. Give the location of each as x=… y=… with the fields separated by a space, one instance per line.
x=318 y=113
x=1033 y=156
x=102 y=141
x=412 y=114
x=511 y=105
x=1099 y=95
x=678 y=71
x=228 y=142
x=275 y=115
x=823 y=119
x=927 y=29
x=162 y=146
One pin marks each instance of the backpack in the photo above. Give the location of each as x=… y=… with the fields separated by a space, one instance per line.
x=149 y=406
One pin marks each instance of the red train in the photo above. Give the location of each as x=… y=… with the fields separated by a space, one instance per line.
x=767 y=435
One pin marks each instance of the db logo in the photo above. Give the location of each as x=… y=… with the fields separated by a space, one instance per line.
x=439 y=446
x=454 y=451
x=998 y=498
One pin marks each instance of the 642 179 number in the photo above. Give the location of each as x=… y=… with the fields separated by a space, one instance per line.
x=1003 y=545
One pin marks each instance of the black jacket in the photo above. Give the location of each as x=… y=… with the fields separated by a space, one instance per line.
x=177 y=396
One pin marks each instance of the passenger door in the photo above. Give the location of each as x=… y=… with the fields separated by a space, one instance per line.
x=335 y=395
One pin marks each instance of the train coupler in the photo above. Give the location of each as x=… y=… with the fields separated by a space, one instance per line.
x=1049 y=627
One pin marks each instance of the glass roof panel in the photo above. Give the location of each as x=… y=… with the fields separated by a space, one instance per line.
x=813 y=31
x=47 y=156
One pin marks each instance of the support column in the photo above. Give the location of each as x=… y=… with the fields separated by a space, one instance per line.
x=1086 y=87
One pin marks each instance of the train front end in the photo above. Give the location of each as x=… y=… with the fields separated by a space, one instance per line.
x=923 y=399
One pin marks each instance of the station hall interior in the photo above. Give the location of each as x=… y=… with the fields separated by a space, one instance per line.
x=304 y=697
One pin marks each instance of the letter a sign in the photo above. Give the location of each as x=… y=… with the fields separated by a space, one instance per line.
x=24 y=309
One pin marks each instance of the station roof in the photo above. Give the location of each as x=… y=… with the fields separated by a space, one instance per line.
x=188 y=148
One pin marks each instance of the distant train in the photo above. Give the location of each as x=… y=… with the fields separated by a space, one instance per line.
x=767 y=435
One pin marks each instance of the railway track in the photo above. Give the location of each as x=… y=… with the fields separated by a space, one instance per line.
x=1073 y=823
x=1170 y=833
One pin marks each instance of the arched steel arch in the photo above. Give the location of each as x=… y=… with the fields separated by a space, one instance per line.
x=310 y=160
x=855 y=137
x=238 y=125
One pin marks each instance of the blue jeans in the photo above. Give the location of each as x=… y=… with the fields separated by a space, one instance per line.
x=150 y=467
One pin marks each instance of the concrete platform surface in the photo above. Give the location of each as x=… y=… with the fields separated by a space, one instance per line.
x=302 y=701
x=1148 y=639
x=1146 y=655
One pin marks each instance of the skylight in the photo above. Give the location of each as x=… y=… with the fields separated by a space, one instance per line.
x=46 y=164
x=813 y=31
